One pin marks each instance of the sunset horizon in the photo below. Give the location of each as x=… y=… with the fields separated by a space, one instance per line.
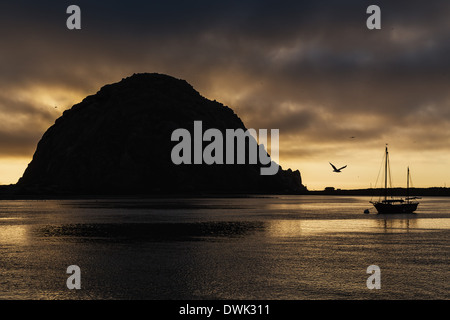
x=364 y=163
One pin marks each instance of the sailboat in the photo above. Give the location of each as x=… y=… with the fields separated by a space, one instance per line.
x=391 y=205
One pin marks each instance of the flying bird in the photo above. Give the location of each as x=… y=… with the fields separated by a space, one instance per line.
x=337 y=170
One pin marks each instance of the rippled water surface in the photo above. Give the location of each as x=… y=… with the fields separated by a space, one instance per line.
x=277 y=247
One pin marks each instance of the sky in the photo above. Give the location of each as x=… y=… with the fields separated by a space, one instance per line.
x=337 y=91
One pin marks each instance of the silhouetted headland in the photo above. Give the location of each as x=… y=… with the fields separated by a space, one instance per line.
x=118 y=142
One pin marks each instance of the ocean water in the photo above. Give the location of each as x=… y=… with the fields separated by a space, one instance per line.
x=274 y=247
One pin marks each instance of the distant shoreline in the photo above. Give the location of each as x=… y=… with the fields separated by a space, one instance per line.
x=416 y=192
x=7 y=193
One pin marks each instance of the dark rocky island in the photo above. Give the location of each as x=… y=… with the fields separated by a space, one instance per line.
x=118 y=142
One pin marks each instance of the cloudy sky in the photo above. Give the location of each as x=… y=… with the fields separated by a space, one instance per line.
x=337 y=91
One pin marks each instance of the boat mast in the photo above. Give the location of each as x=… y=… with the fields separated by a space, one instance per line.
x=407 y=186
x=385 y=174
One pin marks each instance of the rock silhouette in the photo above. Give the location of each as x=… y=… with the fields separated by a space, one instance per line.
x=118 y=141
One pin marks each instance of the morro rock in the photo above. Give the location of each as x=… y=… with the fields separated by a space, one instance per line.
x=118 y=141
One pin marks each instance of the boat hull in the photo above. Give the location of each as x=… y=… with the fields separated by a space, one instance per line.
x=395 y=208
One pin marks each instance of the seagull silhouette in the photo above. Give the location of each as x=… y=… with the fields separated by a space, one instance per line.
x=337 y=170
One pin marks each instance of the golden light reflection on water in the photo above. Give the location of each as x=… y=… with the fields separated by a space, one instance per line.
x=306 y=206
x=296 y=228
x=14 y=235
